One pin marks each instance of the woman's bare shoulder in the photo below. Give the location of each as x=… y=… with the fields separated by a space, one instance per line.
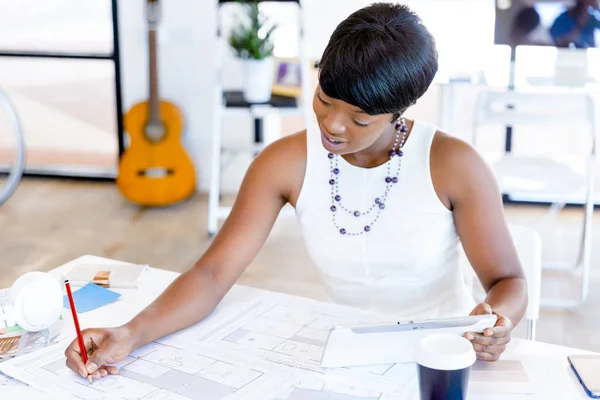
x=455 y=154
x=286 y=152
x=447 y=148
x=284 y=163
x=455 y=165
x=292 y=145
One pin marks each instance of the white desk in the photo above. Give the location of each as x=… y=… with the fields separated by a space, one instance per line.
x=133 y=300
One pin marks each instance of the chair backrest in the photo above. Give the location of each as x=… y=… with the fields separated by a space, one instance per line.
x=515 y=108
x=528 y=245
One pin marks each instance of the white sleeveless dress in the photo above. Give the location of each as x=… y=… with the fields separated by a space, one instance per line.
x=407 y=264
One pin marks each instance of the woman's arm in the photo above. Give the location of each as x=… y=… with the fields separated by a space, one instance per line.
x=468 y=187
x=275 y=172
x=274 y=178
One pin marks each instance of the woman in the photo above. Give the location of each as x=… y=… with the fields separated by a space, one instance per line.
x=382 y=201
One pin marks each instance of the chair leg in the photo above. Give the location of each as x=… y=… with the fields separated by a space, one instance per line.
x=585 y=248
x=586 y=244
x=531 y=329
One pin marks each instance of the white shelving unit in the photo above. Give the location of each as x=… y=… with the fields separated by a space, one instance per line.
x=226 y=108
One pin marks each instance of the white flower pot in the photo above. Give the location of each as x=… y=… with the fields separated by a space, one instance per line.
x=258 y=80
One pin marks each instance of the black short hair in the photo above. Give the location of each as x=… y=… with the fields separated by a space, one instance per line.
x=381 y=59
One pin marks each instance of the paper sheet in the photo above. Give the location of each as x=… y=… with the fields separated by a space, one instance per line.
x=254 y=347
x=90 y=297
x=11 y=388
x=290 y=333
x=281 y=328
x=8 y=381
x=159 y=371
x=271 y=353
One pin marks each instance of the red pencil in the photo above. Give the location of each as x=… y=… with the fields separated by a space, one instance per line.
x=76 y=321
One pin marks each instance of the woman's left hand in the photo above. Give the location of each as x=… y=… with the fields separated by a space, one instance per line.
x=492 y=343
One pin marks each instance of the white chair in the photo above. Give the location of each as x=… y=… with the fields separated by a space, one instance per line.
x=557 y=178
x=529 y=249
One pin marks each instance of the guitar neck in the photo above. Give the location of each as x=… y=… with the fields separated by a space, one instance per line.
x=154 y=101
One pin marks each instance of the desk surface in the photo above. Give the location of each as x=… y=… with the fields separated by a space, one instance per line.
x=133 y=300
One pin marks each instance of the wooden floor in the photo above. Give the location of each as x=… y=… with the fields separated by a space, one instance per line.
x=48 y=222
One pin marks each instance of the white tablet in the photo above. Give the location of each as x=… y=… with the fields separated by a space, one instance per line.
x=359 y=345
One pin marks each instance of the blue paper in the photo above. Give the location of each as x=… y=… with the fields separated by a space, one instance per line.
x=90 y=297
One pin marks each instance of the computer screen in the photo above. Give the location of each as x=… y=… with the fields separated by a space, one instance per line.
x=559 y=23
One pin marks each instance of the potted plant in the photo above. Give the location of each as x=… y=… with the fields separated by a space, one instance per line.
x=252 y=43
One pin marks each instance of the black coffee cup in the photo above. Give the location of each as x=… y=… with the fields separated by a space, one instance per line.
x=444 y=364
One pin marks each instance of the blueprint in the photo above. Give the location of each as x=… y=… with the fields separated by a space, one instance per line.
x=159 y=371
x=155 y=371
x=8 y=381
x=267 y=348
x=328 y=388
x=288 y=330
x=279 y=326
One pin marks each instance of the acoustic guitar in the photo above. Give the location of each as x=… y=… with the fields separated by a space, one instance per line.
x=155 y=169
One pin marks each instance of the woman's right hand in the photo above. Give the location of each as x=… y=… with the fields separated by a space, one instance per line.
x=103 y=346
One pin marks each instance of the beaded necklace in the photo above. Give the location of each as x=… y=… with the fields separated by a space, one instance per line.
x=379 y=202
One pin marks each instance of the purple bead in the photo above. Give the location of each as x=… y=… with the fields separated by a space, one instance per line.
x=392 y=153
x=395 y=179
x=400 y=153
x=377 y=201
x=367 y=228
x=398 y=126
x=381 y=206
x=332 y=181
x=330 y=155
x=337 y=197
x=404 y=128
x=336 y=171
x=388 y=179
x=343 y=231
x=333 y=208
x=357 y=213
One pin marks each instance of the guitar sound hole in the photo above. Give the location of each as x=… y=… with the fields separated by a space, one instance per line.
x=157 y=172
x=155 y=132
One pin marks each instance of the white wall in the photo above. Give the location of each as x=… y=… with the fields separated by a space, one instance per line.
x=186 y=73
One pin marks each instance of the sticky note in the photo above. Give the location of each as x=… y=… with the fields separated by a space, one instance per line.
x=90 y=297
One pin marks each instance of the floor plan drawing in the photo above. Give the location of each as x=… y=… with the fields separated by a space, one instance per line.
x=279 y=327
x=280 y=330
x=318 y=389
x=158 y=371
x=293 y=330
x=262 y=350
x=8 y=381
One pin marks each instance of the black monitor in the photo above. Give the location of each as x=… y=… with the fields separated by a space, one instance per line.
x=558 y=23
